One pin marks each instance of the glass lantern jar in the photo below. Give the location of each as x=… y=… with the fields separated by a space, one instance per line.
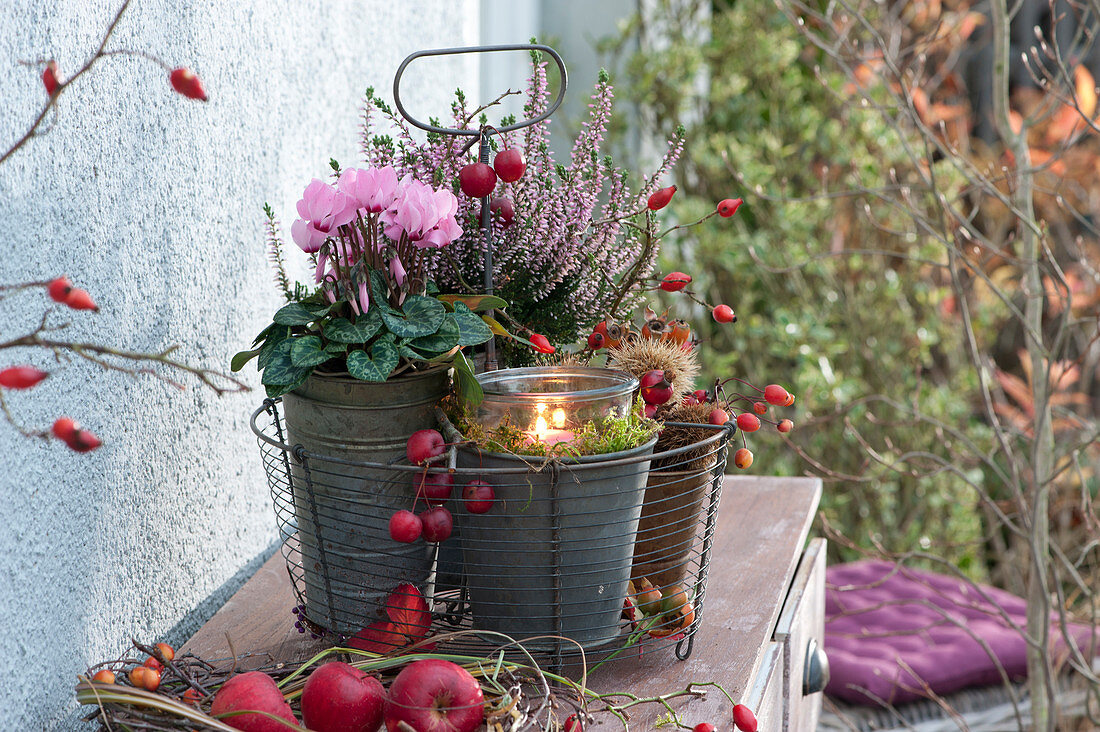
x=552 y=403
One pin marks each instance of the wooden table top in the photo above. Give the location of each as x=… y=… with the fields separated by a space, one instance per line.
x=763 y=524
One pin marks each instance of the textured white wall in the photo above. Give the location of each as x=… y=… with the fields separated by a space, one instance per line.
x=152 y=202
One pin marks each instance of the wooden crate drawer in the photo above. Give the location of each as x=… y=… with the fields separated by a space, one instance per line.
x=801 y=634
x=765 y=697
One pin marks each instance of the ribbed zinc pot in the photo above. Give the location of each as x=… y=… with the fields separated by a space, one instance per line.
x=553 y=555
x=349 y=562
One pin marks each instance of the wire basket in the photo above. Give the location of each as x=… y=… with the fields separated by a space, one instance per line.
x=547 y=565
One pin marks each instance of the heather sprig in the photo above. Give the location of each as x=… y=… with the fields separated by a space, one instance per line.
x=581 y=241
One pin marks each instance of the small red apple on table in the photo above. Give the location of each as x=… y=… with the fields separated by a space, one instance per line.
x=433 y=695
x=253 y=691
x=341 y=698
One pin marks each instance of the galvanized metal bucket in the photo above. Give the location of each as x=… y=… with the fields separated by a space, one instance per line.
x=553 y=556
x=349 y=563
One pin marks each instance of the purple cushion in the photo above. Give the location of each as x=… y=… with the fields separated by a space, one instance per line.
x=890 y=631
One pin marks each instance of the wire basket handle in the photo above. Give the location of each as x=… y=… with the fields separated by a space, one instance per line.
x=478 y=49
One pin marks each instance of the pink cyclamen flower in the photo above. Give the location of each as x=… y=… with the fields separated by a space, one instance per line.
x=323 y=209
x=373 y=189
x=397 y=270
x=425 y=215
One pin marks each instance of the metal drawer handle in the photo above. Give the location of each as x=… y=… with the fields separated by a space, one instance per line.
x=815 y=674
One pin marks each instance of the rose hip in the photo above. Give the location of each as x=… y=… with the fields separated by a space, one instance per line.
x=59 y=288
x=80 y=300
x=659 y=199
x=723 y=314
x=775 y=394
x=743 y=458
x=785 y=425
x=21 y=377
x=185 y=82
x=675 y=281
x=747 y=422
x=104 y=676
x=744 y=718
x=729 y=206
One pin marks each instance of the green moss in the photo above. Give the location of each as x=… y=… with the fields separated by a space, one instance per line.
x=597 y=437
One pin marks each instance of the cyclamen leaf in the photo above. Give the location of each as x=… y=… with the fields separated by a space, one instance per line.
x=466 y=384
x=276 y=338
x=378 y=365
x=444 y=339
x=295 y=314
x=421 y=316
x=362 y=330
x=240 y=359
x=278 y=390
x=472 y=330
x=308 y=351
x=281 y=369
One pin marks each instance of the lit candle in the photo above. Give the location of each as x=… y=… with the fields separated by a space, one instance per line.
x=546 y=434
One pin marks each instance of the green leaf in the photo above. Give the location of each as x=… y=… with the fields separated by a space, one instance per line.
x=277 y=390
x=274 y=339
x=466 y=384
x=338 y=349
x=263 y=334
x=477 y=303
x=443 y=340
x=295 y=314
x=362 y=330
x=378 y=365
x=240 y=359
x=281 y=369
x=421 y=316
x=308 y=351
x=471 y=328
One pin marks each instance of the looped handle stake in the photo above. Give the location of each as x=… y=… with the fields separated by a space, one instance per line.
x=478 y=49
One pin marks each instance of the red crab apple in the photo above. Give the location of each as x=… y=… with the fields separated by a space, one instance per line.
x=435 y=487
x=340 y=698
x=509 y=164
x=405 y=526
x=502 y=206
x=433 y=695
x=718 y=416
x=438 y=524
x=423 y=445
x=479 y=496
x=477 y=180
x=254 y=691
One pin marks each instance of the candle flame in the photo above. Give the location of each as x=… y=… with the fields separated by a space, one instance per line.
x=540 y=427
x=558 y=416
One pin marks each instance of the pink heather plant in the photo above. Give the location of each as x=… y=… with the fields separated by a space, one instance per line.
x=581 y=242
